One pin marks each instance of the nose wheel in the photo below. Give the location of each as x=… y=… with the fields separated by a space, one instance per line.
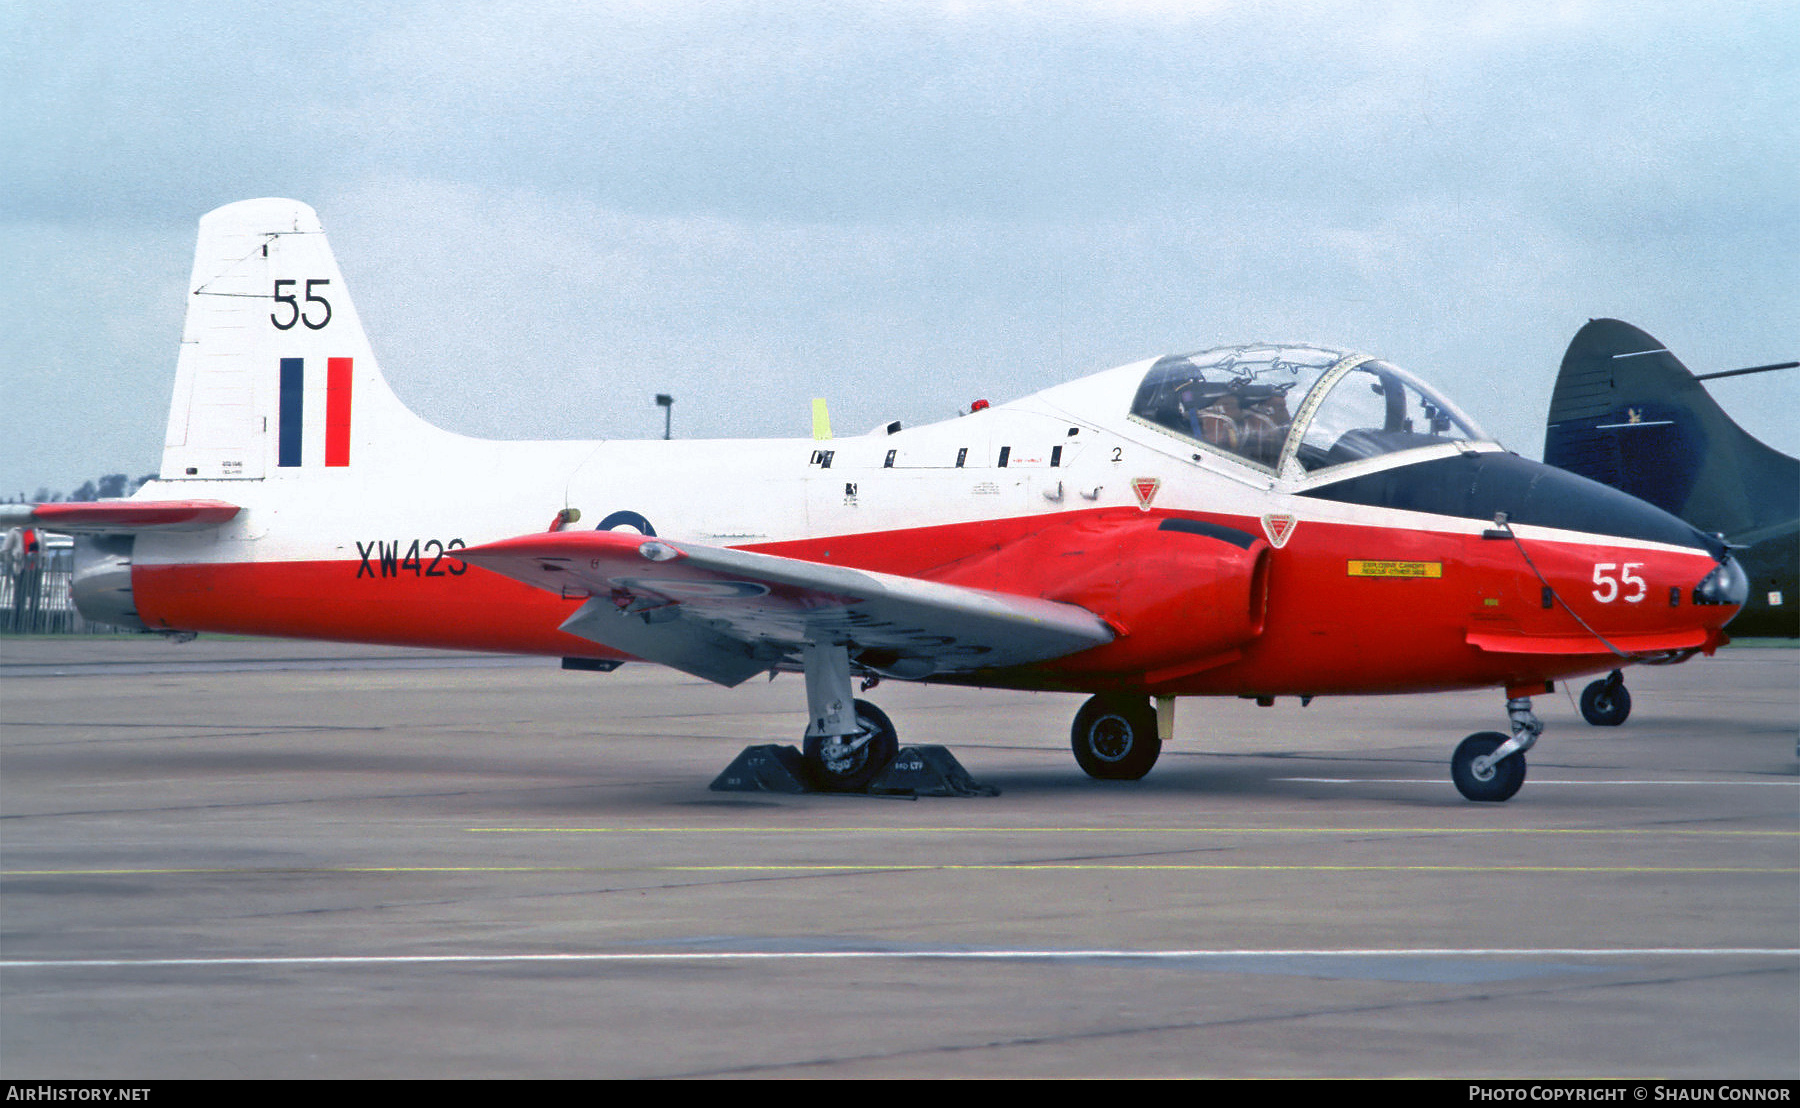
x=1478 y=776
x=1488 y=766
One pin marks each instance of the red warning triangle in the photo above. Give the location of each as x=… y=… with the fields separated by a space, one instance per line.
x=1145 y=487
x=1278 y=528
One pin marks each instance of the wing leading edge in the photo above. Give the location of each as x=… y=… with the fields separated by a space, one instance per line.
x=727 y=615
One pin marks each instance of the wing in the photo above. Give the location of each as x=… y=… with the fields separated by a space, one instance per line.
x=726 y=615
x=120 y=516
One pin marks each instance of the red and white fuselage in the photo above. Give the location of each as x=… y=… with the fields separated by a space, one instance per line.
x=1257 y=521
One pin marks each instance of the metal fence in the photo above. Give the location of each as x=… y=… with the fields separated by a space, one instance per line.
x=36 y=597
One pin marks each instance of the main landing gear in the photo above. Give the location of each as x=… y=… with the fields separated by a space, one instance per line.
x=1488 y=765
x=847 y=763
x=1115 y=737
x=848 y=741
x=1606 y=702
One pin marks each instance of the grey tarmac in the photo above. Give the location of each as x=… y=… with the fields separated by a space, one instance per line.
x=249 y=858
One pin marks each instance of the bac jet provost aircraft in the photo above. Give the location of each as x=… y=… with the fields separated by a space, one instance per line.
x=1253 y=521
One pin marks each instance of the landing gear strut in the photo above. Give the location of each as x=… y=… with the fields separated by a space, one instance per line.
x=1115 y=737
x=1489 y=766
x=848 y=741
x=1606 y=702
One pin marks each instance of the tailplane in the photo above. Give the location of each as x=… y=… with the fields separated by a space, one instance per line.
x=276 y=378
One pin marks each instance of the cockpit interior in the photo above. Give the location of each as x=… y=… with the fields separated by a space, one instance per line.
x=1296 y=408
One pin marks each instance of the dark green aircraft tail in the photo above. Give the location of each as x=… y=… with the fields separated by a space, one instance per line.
x=1627 y=413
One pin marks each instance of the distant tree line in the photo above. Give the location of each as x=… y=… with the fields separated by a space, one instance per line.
x=106 y=488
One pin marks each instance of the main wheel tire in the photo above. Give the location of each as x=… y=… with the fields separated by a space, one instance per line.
x=1115 y=737
x=1605 y=708
x=851 y=771
x=1497 y=782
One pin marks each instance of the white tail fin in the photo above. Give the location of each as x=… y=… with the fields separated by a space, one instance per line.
x=276 y=378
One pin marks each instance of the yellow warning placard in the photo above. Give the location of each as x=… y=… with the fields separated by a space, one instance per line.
x=1395 y=569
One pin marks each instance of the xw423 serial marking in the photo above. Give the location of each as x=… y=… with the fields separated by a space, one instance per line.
x=424 y=558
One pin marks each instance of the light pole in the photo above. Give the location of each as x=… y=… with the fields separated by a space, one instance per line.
x=667 y=404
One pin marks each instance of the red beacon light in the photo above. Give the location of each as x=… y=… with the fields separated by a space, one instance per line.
x=978 y=406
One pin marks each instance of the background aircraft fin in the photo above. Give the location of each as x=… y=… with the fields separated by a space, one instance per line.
x=1627 y=413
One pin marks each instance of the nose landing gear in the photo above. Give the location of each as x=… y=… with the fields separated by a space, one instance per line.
x=1488 y=766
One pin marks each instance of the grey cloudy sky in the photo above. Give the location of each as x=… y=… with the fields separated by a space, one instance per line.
x=548 y=212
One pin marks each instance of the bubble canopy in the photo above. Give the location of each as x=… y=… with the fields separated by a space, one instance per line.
x=1305 y=408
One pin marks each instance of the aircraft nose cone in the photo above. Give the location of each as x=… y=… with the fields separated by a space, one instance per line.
x=1726 y=584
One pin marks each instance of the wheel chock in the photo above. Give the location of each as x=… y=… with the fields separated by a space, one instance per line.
x=928 y=771
x=770 y=768
x=915 y=771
